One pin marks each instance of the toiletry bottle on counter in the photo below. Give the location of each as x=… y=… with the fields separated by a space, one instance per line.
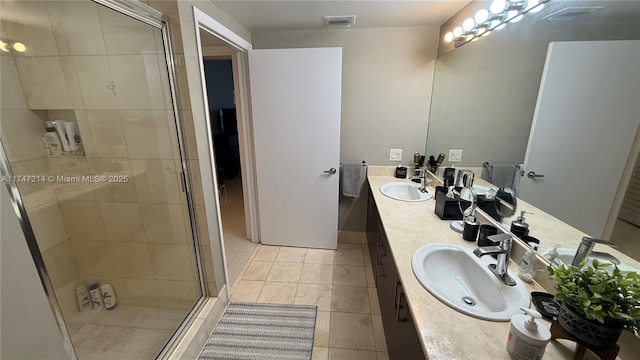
x=96 y=296
x=527 y=265
x=108 y=296
x=527 y=338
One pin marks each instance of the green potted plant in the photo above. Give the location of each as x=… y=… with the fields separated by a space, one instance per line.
x=597 y=304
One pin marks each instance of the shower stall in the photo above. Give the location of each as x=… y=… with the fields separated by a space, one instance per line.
x=95 y=157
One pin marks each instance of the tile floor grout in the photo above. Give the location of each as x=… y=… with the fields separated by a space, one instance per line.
x=329 y=345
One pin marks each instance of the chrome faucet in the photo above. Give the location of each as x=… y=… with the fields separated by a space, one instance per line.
x=503 y=248
x=586 y=245
x=423 y=180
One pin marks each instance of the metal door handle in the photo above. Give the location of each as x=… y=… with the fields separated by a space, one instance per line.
x=330 y=171
x=532 y=174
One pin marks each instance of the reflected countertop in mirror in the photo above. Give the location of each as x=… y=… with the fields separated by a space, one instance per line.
x=485 y=94
x=550 y=230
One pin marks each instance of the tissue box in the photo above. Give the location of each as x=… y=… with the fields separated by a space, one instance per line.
x=447 y=208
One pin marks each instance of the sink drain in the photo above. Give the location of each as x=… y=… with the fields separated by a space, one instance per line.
x=469 y=301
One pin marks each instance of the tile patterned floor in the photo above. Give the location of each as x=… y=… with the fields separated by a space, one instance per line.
x=339 y=282
x=127 y=332
x=237 y=247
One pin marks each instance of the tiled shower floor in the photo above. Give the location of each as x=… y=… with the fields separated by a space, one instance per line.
x=127 y=332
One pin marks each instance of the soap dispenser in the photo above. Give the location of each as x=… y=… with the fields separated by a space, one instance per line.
x=519 y=226
x=527 y=265
x=527 y=338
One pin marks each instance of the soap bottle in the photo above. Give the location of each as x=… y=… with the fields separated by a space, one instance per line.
x=527 y=265
x=519 y=226
x=108 y=296
x=527 y=338
x=83 y=298
x=55 y=145
x=96 y=296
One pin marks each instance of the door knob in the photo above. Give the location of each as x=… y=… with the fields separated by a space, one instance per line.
x=330 y=171
x=532 y=175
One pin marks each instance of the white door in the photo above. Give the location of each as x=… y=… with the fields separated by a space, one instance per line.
x=584 y=125
x=296 y=100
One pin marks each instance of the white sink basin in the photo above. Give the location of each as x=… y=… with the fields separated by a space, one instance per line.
x=404 y=191
x=455 y=276
x=565 y=256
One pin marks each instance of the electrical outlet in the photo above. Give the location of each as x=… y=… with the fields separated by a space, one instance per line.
x=395 y=154
x=455 y=155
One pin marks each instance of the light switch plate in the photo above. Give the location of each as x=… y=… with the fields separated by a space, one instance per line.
x=395 y=154
x=455 y=155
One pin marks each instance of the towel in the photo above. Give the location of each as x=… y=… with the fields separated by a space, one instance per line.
x=501 y=175
x=353 y=176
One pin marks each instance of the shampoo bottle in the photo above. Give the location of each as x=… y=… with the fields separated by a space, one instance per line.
x=527 y=265
x=62 y=133
x=55 y=145
x=527 y=338
x=82 y=296
x=108 y=296
x=96 y=296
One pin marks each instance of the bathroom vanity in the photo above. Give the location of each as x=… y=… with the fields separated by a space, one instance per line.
x=411 y=315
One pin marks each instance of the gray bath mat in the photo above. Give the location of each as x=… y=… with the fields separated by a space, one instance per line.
x=262 y=331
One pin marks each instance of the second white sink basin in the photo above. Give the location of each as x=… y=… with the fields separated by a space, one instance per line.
x=565 y=256
x=455 y=276
x=404 y=191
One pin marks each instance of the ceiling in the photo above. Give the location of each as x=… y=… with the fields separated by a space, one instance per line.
x=266 y=15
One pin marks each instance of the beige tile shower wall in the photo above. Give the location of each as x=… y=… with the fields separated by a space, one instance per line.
x=135 y=235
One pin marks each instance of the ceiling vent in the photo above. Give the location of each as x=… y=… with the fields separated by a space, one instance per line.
x=339 y=21
x=570 y=13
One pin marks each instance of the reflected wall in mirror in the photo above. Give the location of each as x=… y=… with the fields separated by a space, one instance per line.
x=486 y=92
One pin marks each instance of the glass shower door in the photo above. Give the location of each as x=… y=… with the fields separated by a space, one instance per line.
x=88 y=131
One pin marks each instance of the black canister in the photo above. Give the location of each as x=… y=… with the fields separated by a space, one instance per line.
x=485 y=231
x=470 y=231
x=401 y=172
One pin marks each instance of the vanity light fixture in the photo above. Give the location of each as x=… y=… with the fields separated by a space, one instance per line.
x=7 y=45
x=19 y=47
x=500 y=13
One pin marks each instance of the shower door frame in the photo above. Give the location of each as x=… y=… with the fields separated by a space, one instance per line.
x=156 y=19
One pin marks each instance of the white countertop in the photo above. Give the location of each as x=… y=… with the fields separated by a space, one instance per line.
x=445 y=333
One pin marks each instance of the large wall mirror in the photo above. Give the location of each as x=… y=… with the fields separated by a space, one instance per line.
x=485 y=97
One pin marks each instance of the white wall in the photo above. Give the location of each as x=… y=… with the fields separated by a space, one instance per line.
x=386 y=94
x=28 y=329
x=386 y=85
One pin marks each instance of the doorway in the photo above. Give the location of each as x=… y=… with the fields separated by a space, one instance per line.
x=218 y=69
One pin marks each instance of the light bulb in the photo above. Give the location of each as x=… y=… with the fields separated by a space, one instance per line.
x=497 y=6
x=4 y=46
x=485 y=34
x=516 y=18
x=501 y=26
x=457 y=32
x=482 y=16
x=468 y=24
x=537 y=8
x=481 y=31
x=530 y=4
x=448 y=37
x=19 y=47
